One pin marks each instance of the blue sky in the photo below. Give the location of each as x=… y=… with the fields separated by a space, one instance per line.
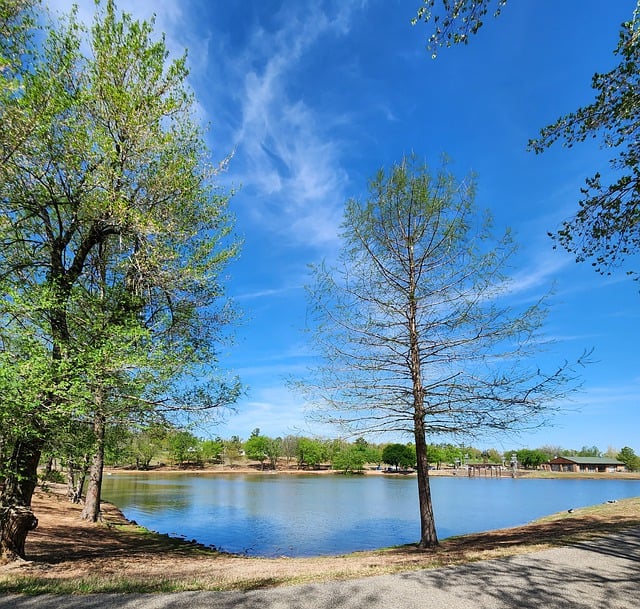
x=313 y=96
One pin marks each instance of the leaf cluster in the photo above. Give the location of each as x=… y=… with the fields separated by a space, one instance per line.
x=454 y=21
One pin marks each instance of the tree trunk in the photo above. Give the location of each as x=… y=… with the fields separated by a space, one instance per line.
x=48 y=468
x=428 y=535
x=71 y=482
x=75 y=479
x=15 y=523
x=91 y=510
x=16 y=516
x=77 y=490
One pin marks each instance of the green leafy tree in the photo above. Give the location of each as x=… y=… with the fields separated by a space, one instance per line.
x=112 y=240
x=373 y=454
x=311 y=453
x=370 y=453
x=146 y=444
x=333 y=447
x=350 y=459
x=273 y=451
x=531 y=459
x=24 y=360
x=451 y=454
x=17 y=22
x=412 y=326
x=494 y=456
x=628 y=456
x=399 y=455
x=361 y=443
x=212 y=449
x=232 y=450
x=471 y=453
x=435 y=455
x=256 y=447
x=184 y=447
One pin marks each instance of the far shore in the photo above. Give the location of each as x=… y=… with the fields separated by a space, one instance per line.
x=255 y=469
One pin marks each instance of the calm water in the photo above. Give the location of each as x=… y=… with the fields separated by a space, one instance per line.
x=311 y=515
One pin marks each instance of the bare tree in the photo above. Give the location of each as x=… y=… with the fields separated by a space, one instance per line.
x=412 y=325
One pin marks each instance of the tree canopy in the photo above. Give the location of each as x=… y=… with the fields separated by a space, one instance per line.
x=628 y=456
x=399 y=455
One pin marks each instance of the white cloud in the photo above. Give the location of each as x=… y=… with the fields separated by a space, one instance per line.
x=275 y=410
x=266 y=293
x=541 y=272
x=285 y=146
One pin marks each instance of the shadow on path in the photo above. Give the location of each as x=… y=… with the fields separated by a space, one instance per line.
x=601 y=573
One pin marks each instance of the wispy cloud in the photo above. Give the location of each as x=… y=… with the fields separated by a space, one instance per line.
x=540 y=272
x=267 y=293
x=610 y=398
x=276 y=411
x=284 y=144
x=288 y=156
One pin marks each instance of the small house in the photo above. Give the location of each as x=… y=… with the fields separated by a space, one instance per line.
x=585 y=464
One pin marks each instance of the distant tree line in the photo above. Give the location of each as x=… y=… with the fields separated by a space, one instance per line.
x=158 y=445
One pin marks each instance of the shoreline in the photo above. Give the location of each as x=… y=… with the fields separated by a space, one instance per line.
x=448 y=472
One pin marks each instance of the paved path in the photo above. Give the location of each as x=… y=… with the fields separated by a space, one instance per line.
x=603 y=574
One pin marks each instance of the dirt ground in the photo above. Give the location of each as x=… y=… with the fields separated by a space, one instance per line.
x=66 y=554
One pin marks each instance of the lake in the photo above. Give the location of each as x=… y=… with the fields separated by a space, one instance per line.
x=311 y=515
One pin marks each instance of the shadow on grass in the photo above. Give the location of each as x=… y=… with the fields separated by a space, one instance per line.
x=554 y=533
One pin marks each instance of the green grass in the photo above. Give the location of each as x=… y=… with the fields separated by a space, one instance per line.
x=35 y=586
